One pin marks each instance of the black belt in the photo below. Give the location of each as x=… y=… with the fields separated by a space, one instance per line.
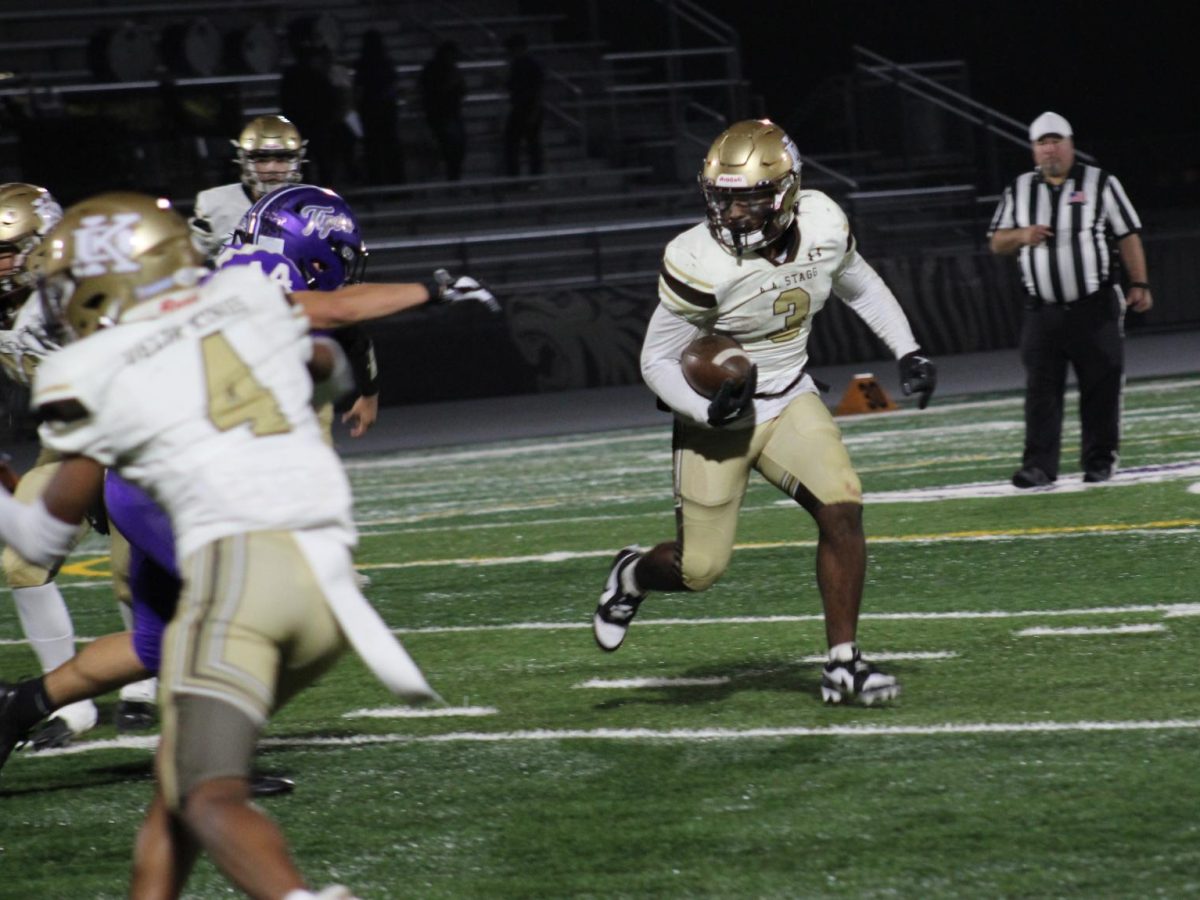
x=821 y=386
x=1035 y=303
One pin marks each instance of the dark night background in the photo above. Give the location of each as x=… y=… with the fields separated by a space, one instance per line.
x=1127 y=76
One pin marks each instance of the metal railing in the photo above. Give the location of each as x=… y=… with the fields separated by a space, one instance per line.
x=991 y=123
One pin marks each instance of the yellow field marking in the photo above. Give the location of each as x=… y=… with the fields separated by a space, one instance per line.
x=86 y=568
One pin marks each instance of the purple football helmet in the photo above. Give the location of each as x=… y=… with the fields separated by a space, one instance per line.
x=314 y=228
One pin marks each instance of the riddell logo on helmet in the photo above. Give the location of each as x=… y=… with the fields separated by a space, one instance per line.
x=732 y=181
x=323 y=220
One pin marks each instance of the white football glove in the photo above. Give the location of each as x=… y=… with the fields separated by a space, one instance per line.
x=464 y=287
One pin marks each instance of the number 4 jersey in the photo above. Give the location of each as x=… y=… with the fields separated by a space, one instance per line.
x=766 y=303
x=202 y=398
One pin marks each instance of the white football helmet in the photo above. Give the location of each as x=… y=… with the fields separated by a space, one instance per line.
x=270 y=151
x=750 y=180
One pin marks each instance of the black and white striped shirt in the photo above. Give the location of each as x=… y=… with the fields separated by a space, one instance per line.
x=1082 y=212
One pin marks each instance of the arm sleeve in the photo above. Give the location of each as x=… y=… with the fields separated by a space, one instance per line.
x=1003 y=217
x=666 y=337
x=861 y=288
x=1121 y=214
x=360 y=351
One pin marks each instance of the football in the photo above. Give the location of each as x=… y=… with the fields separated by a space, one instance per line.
x=710 y=359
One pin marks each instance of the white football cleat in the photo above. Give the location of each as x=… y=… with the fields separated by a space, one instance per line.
x=144 y=691
x=848 y=676
x=69 y=722
x=616 y=609
x=336 y=892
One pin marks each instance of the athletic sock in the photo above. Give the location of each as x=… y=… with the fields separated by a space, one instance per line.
x=46 y=623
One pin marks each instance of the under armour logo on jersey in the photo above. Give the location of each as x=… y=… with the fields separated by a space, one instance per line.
x=323 y=220
x=104 y=244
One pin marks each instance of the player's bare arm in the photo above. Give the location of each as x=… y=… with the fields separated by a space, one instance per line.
x=359 y=303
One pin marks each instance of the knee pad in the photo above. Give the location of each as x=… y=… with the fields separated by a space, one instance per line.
x=702 y=569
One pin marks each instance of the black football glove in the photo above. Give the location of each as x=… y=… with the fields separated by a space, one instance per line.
x=918 y=375
x=445 y=288
x=732 y=402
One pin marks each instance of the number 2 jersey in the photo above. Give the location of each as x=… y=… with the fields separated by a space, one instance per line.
x=202 y=398
x=766 y=303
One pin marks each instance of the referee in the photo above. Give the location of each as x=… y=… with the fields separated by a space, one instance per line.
x=1058 y=220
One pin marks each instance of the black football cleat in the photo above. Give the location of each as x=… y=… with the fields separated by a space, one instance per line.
x=134 y=715
x=270 y=785
x=10 y=734
x=50 y=734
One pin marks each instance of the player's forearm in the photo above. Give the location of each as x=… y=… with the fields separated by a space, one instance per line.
x=359 y=303
x=1133 y=258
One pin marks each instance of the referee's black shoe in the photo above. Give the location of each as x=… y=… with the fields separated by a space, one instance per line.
x=1097 y=474
x=1031 y=477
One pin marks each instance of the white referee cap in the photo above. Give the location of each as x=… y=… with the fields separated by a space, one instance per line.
x=1049 y=123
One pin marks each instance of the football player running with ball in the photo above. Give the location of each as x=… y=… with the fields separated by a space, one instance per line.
x=765 y=262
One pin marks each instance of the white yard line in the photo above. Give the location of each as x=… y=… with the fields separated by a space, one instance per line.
x=622 y=683
x=408 y=712
x=653 y=734
x=1167 y=610
x=1083 y=630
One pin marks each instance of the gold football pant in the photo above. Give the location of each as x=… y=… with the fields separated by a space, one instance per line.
x=799 y=450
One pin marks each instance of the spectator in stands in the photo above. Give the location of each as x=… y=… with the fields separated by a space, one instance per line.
x=526 y=80
x=1057 y=220
x=442 y=88
x=310 y=99
x=375 y=93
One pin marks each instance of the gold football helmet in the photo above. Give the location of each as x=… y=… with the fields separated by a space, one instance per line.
x=270 y=152
x=750 y=180
x=107 y=255
x=27 y=212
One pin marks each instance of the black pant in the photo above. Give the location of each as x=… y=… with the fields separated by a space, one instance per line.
x=1088 y=335
x=523 y=128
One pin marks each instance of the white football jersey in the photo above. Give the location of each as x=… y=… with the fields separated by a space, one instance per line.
x=766 y=304
x=24 y=345
x=202 y=398
x=216 y=214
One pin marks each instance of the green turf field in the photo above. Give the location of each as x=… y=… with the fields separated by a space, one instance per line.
x=1045 y=744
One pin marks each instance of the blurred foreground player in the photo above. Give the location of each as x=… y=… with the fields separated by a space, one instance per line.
x=198 y=391
x=27 y=213
x=765 y=262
